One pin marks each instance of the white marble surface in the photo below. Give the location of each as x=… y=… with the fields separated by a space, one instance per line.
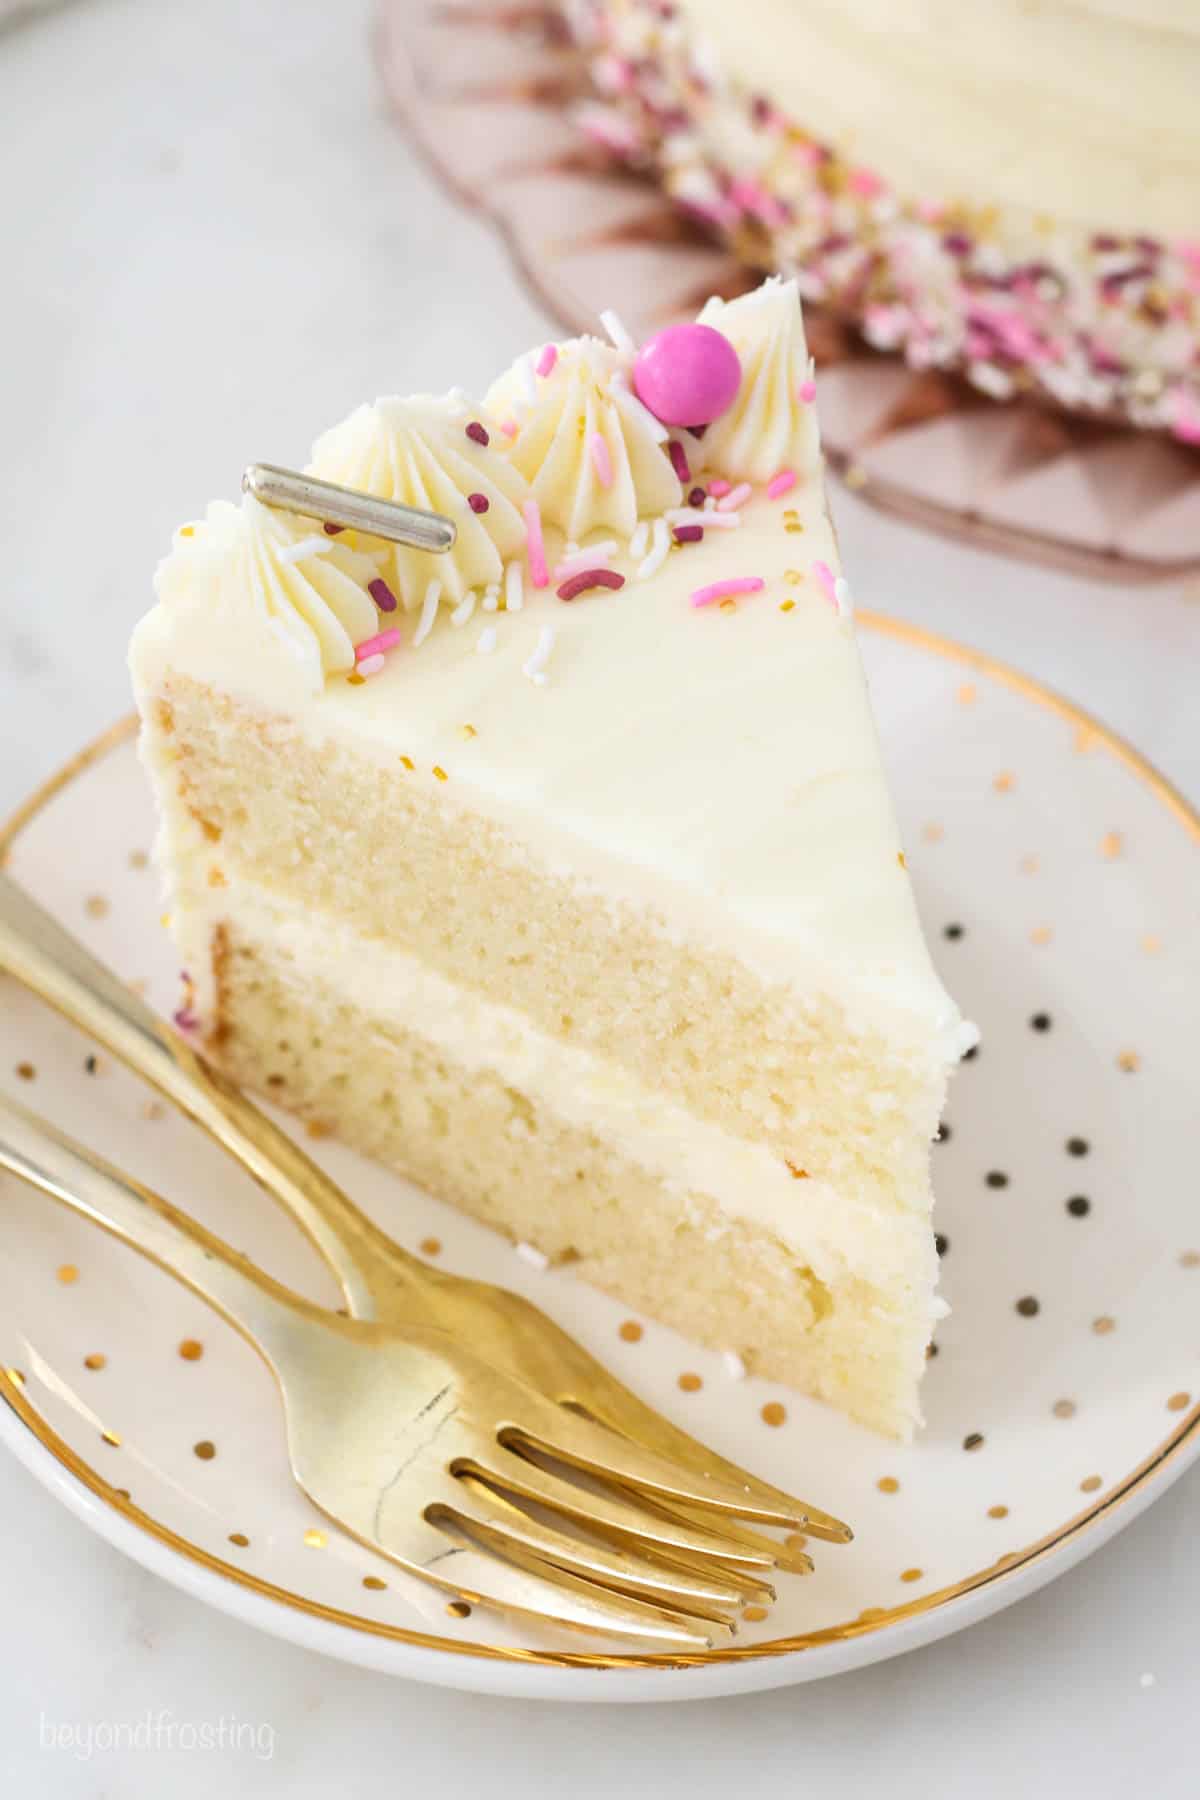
x=214 y=244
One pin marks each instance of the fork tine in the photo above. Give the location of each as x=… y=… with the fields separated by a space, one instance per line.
x=792 y=1560
x=503 y=1527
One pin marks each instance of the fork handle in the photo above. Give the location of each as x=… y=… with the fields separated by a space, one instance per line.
x=37 y=1152
x=46 y=958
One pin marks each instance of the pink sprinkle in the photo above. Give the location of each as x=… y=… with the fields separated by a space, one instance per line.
x=478 y=503
x=866 y=183
x=370 y=665
x=783 y=483
x=510 y=428
x=535 y=544
x=689 y=534
x=806 y=393
x=590 y=578
x=546 y=361
x=679 y=462
x=719 y=487
x=736 y=497
x=383 y=640
x=828 y=581
x=478 y=433
x=601 y=460
x=719 y=590
x=382 y=594
x=332 y=530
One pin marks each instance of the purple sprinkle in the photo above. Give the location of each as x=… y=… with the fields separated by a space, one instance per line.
x=689 y=534
x=957 y=243
x=478 y=503
x=332 y=530
x=698 y=496
x=477 y=433
x=184 y=1019
x=697 y=431
x=679 y=461
x=382 y=594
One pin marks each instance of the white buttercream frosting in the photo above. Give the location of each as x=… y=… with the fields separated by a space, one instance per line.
x=770 y=426
x=592 y=454
x=274 y=584
x=418 y=452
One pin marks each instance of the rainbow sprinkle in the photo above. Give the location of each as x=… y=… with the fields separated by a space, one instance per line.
x=806 y=393
x=736 y=497
x=509 y=427
x=382 y=594
x=546 y=361
x=828 y=581
x=383 y=640
x=720 y=486
x=601 y=460
x=588 y=579
x=369 y=665
x=689 y=534
x=478 y=503
x=723 y=590
x=539 y=574
x=679 y=461
x=781 y=484
x=478 y=433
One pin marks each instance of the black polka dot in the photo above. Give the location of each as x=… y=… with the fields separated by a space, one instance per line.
x=953 y=932
x=1077 y=1146
x=943 y=1134
x=996 y=1178
x=1079 y=1206
x=941 y=1243
x=973 y=1440
x=1040 y=1022
x=1028 y=1307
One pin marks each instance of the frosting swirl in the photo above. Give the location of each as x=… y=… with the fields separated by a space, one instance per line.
x=421 y=453
x=594 y=456
x=273 y=576
x=769 y=427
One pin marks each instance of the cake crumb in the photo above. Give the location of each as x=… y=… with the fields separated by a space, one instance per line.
x=537 y=1259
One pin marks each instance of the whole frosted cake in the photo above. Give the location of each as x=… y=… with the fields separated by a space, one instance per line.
x=1004 y=188
x=559 y=871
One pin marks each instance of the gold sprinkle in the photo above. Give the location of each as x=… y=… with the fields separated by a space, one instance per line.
x=440 y=772
x=191 y=1350
x=912 y=1574
x=204 y=1450
x=1063 y=1409
x=787 y=606
x=968 y=693
x=630 y=1331
x=153 y=1109
x=1004 y=782
x=1179 y=1402
x=240 y=1539
x=794 y=528
x=67 y=1273
x=1151 y=944
x=95 y=1361
x=1041 y=934
x=933 y=834
x=374 y=1583
x=1111 y=845
x=773 y=1413
x=754 y=1614
x=855 y=476
x=793 y=575
x=216 y=879
x=431 y=1246
x=26 y=1071
x=887 y=1484
x=901 y=859
x=469 y=731
x=314 y=1539
x=728 y=604
x=110 y=1437
x=1189 y=1259
x=1089 y=1484
x=164 y=920
x=1129 y=1060
x=997 y=1512
x=790 y=513
x=354 y=679
x=187 y=531
x=317 y=1128
x=1103 y=1325
x=138 y=859
x=458 y=1609
x=690 y=1382
x=96 y=906
x=408 y=762
x=796 y=1173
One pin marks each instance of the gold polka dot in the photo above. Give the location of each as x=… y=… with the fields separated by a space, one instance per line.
x=631 y=1331
x=110 y=1437
x=205 y=1450
x=1129 y=1061
x=95 y=1361
x=887 y=1484
x=690 y=1382
x=314 y=1539
x=96 y=906
x=1151 y=944
x=138 y=859
x=997 y=1512
x=26 y=1071
x=469 y=731
x=458 y=1609
x=773 y=1413
x=793 y=575
x=317 y=1128
x=1103 y=1325
x=374 y=1583
x=1063 y=1409
x=968 y=694
x=1089 y=1484
x=870 y=1613
x=1179 y=1402
x=1189 y=1259
x=1041 y=934
x=67 y=1273
x=912 y=1574
x=1111 y=845
x=795 y=1540
x=1004 y=782
x=431 y=1246
x=1029 y=865
x=754 y=1614
x=191 y=1350
x=240 y=1539
x=933 y=833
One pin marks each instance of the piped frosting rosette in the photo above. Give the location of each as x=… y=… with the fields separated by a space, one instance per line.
x=771 y=424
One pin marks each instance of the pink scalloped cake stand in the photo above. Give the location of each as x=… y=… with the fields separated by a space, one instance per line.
x=486 y=90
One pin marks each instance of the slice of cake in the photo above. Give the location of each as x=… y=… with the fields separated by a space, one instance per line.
x=559 y=871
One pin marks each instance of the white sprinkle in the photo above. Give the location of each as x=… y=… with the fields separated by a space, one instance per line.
x=735 y=1368
x=433 y=594
x=458 y=397
x=994 y=381
x=535 y=668
x=736 y=497
x=596 y=556
x=537 y=1259
x=528 y=380
x=690 y=515
x=617 y=332
x=306 y=546
x=637 y=543
x=659 y=547
x=464 y=609
x=371 y=665
x=491 y=599
x=487 y=640
x=628 y=402
x=1146 y=1681
x=841 y=593
x=514 y=588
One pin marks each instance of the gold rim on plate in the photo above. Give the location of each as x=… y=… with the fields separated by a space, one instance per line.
x=874 y=1619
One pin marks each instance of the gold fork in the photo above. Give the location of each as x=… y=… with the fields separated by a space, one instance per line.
x=380 y=1280
x=423 y=1451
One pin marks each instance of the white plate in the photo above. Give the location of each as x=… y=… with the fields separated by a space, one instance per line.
x=1068 y=871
